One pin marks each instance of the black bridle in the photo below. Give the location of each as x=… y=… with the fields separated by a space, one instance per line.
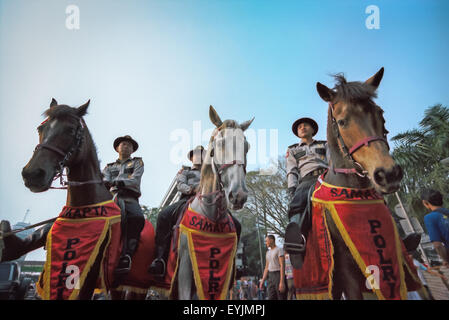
x=67 y=156
x=347 y=153
x=220 y=193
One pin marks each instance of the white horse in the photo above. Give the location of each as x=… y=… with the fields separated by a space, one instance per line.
x=222 y=184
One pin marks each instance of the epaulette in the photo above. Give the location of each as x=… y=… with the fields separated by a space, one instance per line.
x=183 y=168
x=110 y=164
x=137 y=158
x=321 y=141
x=293 y=145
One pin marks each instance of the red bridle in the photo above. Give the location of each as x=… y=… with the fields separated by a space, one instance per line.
x=348 y=153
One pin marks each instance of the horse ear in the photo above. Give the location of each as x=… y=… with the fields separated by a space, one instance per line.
x=214 y=117
x=375 y=80
x=82 y=110
x=53 y=103
x=325 y=93
x=246 y=124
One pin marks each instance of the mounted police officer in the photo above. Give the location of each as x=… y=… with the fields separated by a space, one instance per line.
x=306 y=160
x=188 y=180
x=123 y=178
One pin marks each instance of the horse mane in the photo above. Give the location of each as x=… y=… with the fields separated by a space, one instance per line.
x=63 y=112
x=354 y=91
x=60 y=112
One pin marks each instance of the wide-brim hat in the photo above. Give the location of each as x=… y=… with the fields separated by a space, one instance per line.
x=301 y=120
x=126 y=138
x=190 y=154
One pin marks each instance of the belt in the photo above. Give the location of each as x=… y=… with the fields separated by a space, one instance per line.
x=316 y=172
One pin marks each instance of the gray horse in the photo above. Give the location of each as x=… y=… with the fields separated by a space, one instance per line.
x=222 y=184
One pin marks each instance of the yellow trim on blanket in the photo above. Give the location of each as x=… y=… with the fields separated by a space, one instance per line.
x=95 y=204
x=332 y=266
x=196 y=276
x=229 y=272
x=200 y=291
x=209 y=234
x=347 y=202
x=311 y=296
x=340 y=187
x=91 y=260
x=352 y=248
x=47 y=267
x=402 y=284
x=175 y=272
x=116 y=217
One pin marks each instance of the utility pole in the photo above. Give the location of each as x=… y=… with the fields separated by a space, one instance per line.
x=26 y=214
x=260 y=245
x=411 y=227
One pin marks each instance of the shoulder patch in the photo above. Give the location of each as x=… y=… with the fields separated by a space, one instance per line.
x=139 y=160
x=293 y=145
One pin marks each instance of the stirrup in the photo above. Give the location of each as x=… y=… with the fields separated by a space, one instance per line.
x=295 y=242
x=123 y=270
x=153 y=266
x=295 y=248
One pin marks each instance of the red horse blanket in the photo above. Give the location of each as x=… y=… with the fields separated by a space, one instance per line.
x=78 y=238
x=369 y=232
x=212 y=247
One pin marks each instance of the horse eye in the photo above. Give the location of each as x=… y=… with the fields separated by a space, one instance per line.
x=342 y=123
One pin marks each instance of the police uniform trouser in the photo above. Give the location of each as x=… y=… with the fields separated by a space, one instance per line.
x=134 y=223
x=299 y=200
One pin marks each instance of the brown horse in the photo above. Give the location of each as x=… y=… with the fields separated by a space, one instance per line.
x=65 y=142
x=359 y=160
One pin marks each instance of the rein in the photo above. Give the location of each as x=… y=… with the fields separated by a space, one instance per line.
x=357 y=167
x=76 y=146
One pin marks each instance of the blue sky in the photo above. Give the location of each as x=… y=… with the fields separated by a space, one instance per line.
x=152 y=67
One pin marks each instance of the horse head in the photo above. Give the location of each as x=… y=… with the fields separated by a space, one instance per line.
x=356 y=132
x=60 y=145
x=226 y=157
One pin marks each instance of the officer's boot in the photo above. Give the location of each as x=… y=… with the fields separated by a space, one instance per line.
x=162 y=239
x=159 y=265
x=134 y=227
x=12 y=247
x=295 y=241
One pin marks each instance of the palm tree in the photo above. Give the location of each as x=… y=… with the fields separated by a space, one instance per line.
x=419 y=152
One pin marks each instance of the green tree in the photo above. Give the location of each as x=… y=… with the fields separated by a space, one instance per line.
x=420 y=152
x=268 y=198
x=150 y=214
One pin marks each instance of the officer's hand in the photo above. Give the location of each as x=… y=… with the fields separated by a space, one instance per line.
x=118 y=183
x=291 y=192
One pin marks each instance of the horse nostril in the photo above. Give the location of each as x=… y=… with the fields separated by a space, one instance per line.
x=37 y=174
x=379 y=176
